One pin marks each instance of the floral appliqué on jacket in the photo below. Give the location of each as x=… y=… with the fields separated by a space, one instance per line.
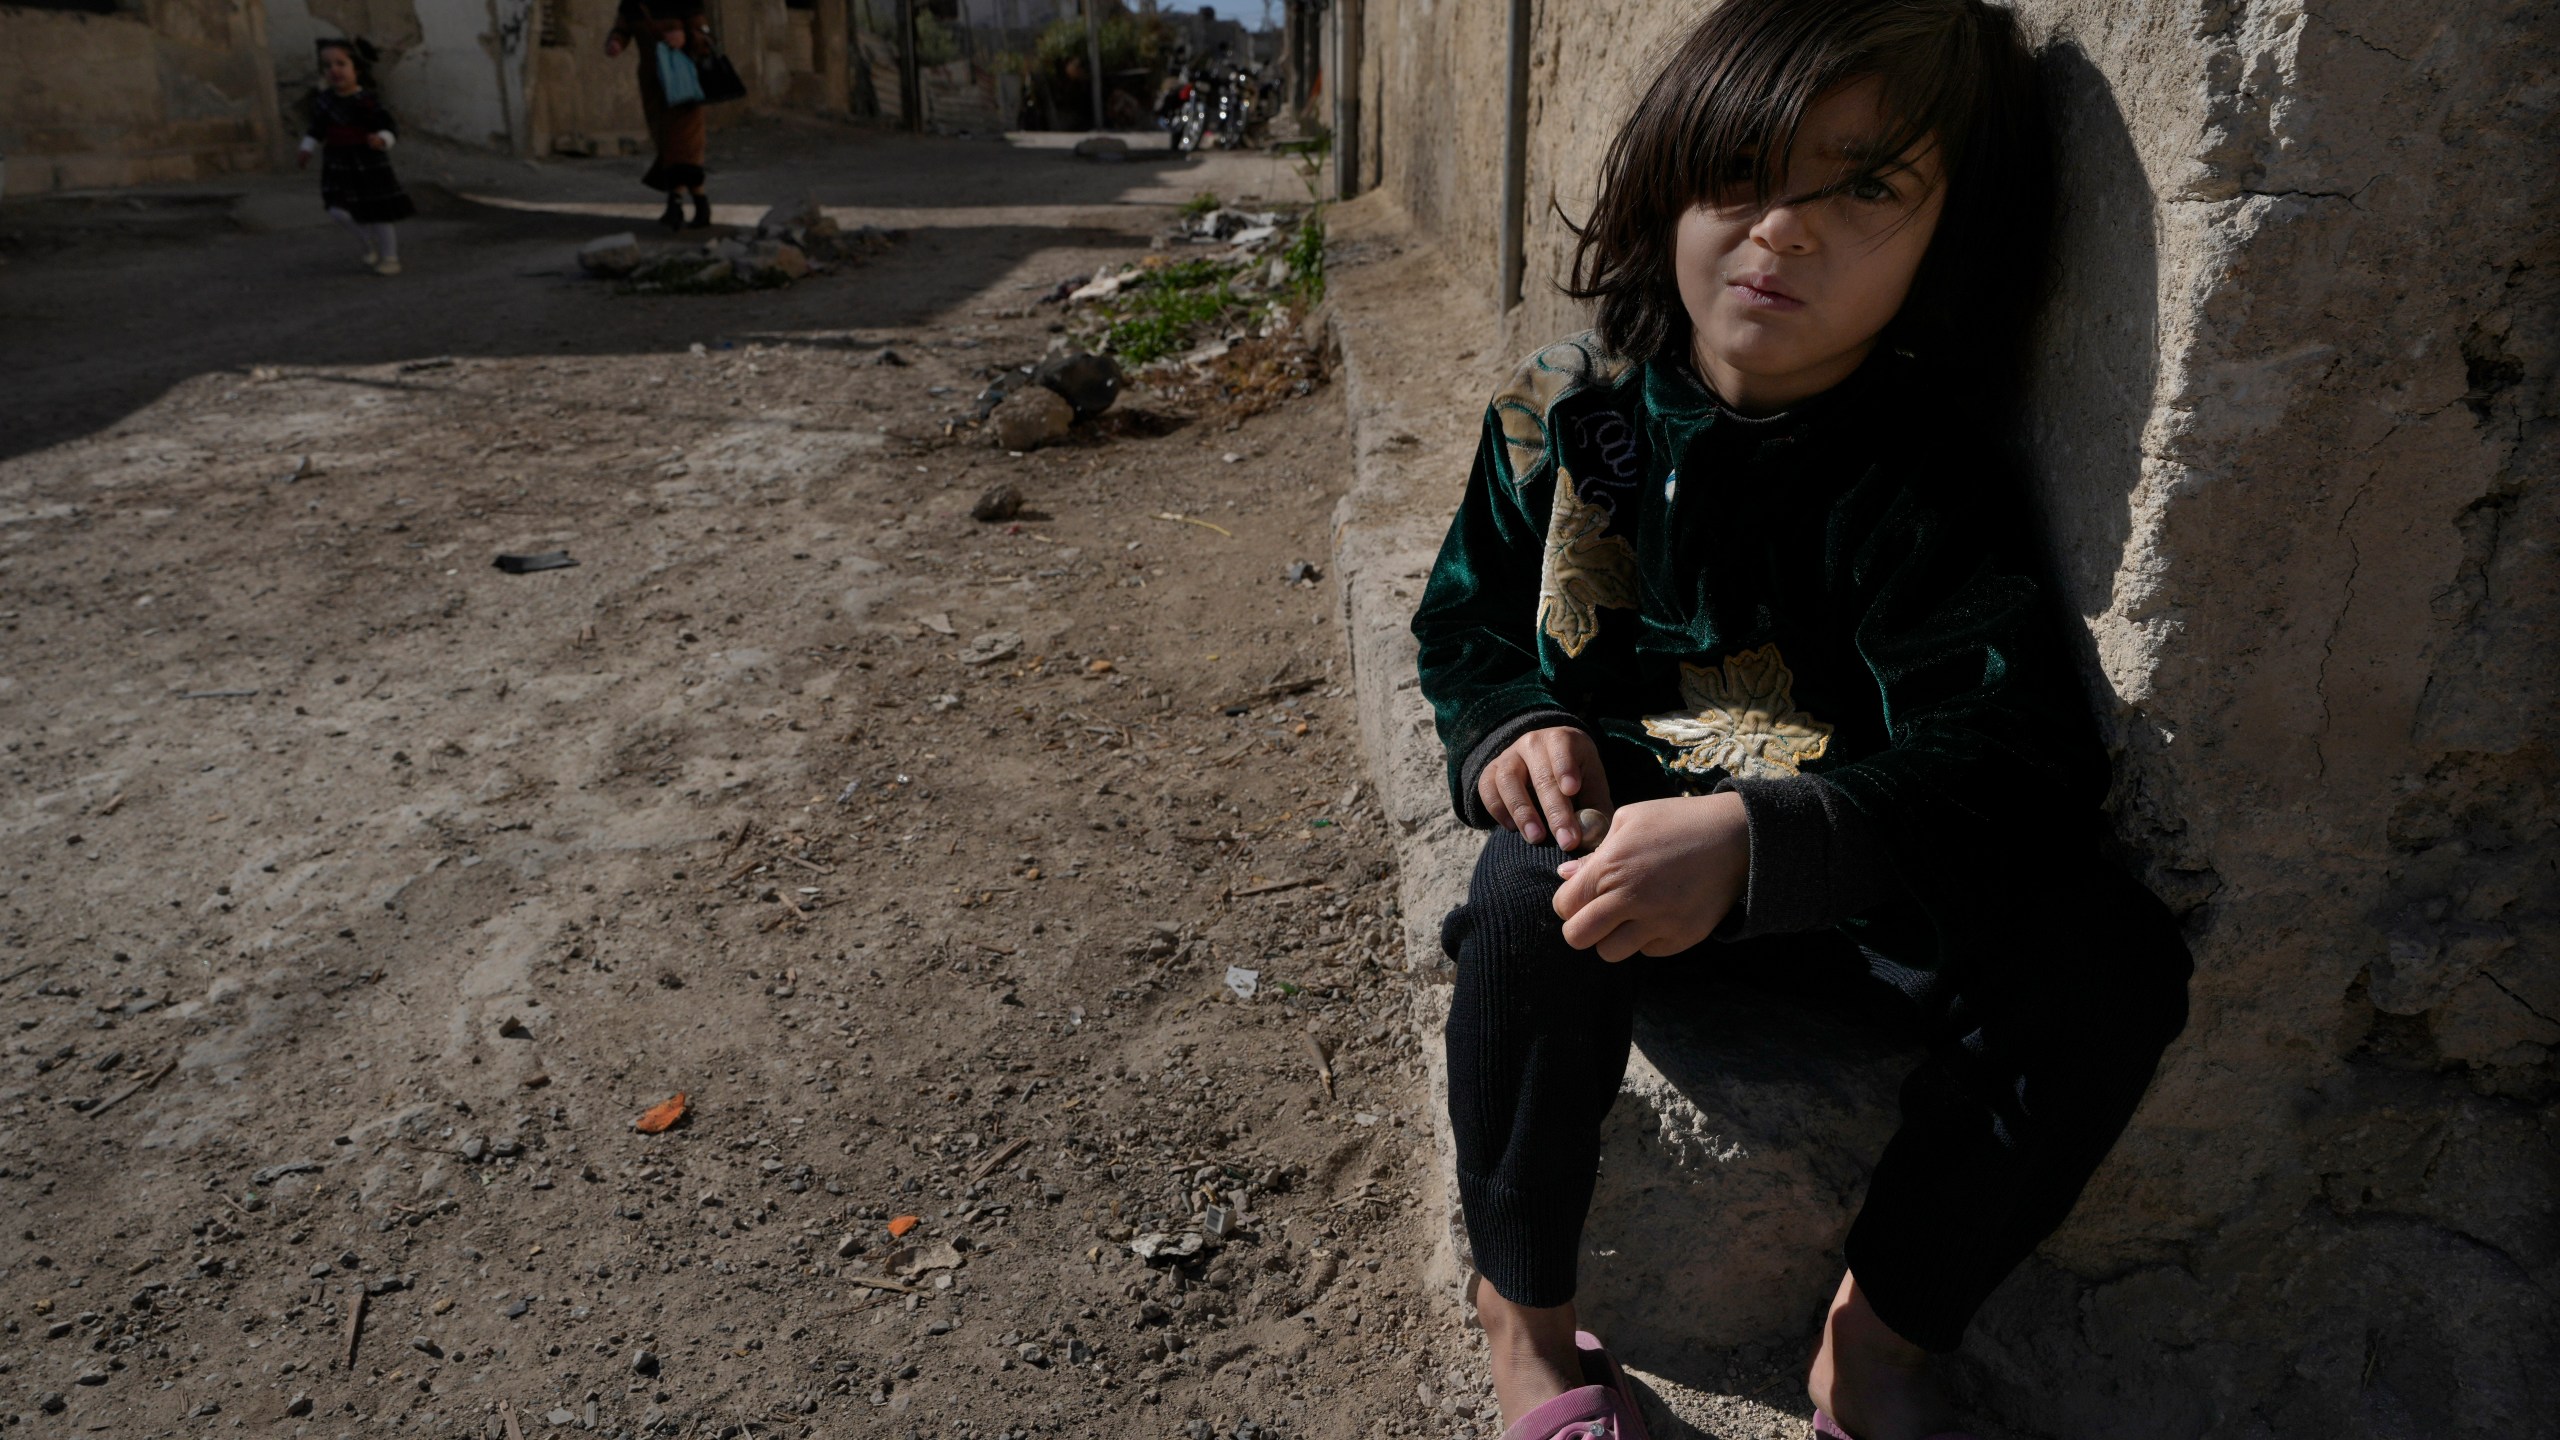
x=1745 y=723
x=1585 y=569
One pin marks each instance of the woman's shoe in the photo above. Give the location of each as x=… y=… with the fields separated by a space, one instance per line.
x=673 y=216
x=386 y=267
x=701 y=212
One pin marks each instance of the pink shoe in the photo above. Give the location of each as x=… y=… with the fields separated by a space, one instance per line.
x=1598 y=1367
x=1829 y=1429
x=1593 y=1412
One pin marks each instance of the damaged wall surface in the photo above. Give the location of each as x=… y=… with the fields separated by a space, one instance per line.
x=171 y=90
x=2295 y=422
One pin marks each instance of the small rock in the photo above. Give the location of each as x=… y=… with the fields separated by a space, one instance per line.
x=561 y=1416
x=505 y=1149
x=319 y=1269
x=773 y=258
x=1594 y=825
x=887 y=356
x=991 y=647
x=644 y=1362
x=799 y=213
x=1167 y=1248
x=474 y=1148
x=712 y=274
x=1031 y=417
x=51 y=1402
x=1301 y=573
x=1030 y=1354
x=515 y=1309
x=1088 y=382
x=427 y=1347
x=612 y=257
x=848 y=1246
x=1001 y=502
x=1106 y=148
x=301 y=1405
x=91 y=1377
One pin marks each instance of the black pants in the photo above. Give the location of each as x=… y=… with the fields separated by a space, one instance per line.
x=2037 y=1059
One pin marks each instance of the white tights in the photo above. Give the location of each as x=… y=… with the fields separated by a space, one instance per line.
x=382 y=239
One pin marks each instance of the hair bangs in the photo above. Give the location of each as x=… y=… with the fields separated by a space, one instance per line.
x=1727 y=108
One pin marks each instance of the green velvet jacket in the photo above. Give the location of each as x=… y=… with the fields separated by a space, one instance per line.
x=1818 y=608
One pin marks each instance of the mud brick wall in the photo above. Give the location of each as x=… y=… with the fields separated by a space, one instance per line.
x=2295 y=425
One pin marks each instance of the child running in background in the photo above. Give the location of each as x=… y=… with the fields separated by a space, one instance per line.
x=354 y=135
x=1734 y=571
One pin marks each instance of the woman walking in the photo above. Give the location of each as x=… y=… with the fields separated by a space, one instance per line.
x=680 y=130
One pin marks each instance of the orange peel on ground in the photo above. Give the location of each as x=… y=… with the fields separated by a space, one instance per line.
x=900 y=1225
x=660 y=1117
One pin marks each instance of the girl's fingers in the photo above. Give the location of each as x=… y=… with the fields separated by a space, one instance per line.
x=1592 y=919
x=1553 y=799
x=1518 y=809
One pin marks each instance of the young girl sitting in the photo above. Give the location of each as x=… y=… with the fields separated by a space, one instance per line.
x=1733 y=572
x=354 y=135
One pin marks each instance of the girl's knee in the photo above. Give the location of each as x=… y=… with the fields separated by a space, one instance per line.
x=1510 y=914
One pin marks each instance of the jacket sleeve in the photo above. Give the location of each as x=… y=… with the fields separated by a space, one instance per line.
x=1991 y=757
x=1477 y=623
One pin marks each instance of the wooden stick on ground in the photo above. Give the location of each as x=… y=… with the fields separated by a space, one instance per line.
x=355 y=1326
x=128 y=1092
x=996 y=1162
x=1324 y=1064
x=1273 y=888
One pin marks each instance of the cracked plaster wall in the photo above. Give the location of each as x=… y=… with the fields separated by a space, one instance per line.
x=160 y=90
x=2295 y=424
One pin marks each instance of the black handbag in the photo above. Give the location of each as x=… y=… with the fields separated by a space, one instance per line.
x=720 y=80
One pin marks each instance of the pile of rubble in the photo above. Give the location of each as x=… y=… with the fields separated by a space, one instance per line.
x=793 y=240
x=1038 y=404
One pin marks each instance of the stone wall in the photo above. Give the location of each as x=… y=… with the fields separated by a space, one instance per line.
x=172 y=90
x=2295 y=421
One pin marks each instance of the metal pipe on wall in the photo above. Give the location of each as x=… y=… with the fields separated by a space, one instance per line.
x=1093 y=58
x=1342 y=72
x=1515 y=160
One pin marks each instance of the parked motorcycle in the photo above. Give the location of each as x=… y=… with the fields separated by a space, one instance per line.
x=1220 y=101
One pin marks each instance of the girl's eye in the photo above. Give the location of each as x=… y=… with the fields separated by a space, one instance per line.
x=1869 y=188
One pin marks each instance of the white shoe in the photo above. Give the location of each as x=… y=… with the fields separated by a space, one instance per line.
x=386 y=267
x=372 y=258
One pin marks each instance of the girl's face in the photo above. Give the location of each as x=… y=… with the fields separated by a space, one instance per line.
x=338 y=68
x=1786 y=302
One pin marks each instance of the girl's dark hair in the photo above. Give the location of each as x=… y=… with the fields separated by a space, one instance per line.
x=1729 y=102
x=358 y=49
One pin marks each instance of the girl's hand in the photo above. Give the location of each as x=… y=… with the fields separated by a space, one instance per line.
x=613 y=44
x=1536 y=785
x=377 y=142
x=1662 y=880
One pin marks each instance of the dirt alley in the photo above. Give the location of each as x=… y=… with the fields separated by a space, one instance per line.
x=355 y=897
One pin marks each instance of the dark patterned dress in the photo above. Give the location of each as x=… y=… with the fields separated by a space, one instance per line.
x=354 y=176
x=680 y=133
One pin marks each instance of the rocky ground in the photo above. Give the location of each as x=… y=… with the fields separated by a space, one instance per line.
x=357 y=898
